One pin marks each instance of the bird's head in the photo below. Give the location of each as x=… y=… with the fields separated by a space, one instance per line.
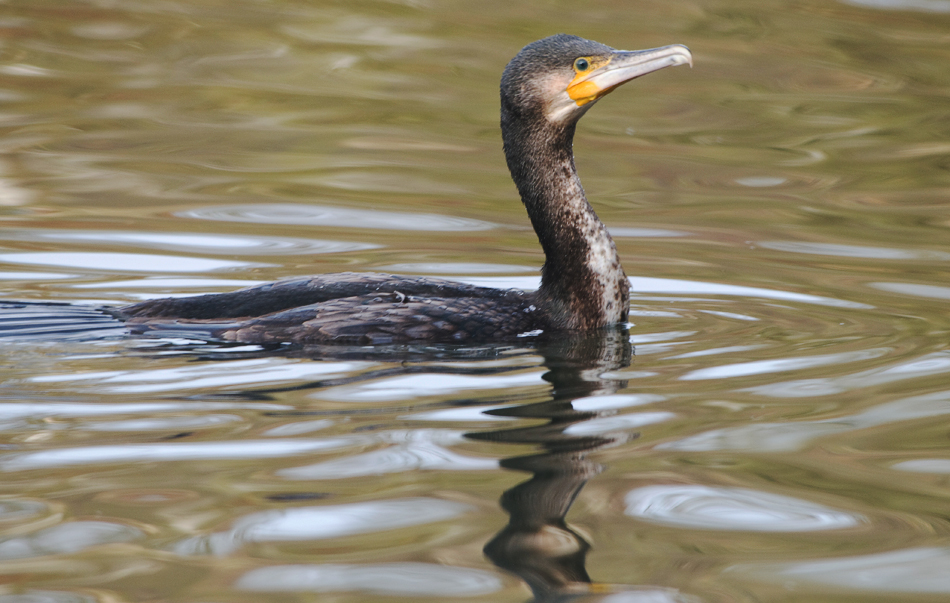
x=561 y=76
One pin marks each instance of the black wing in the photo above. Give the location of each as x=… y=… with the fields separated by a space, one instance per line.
x=393 y=318
x=292 y=293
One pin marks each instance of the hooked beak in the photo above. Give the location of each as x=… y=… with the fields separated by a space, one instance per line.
x=623 y=66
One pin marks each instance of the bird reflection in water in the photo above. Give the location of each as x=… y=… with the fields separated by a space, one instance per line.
x=537 y=544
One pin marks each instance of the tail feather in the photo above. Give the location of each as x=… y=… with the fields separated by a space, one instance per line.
x=56 y=321
x=201 y=330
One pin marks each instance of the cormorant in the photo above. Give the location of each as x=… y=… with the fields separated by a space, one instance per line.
x=545 y=90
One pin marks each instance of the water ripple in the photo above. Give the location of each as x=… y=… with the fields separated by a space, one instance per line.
x=926 y=6
x=760 y=367
x=124 y=262
x=47 y=410
x=647 y=594
x=855 y=251
x=388 y=579
x=421 y=449
x=167 y=423
x=18 y=511
x=455 y=268
x=918 y=570
x=404 y=387
x=339 y=217
x=463 y=414
x=936 y=363
x=70 y=537
x=936 y=466
x=35 y=276
x=195 y=243
x=665 y=285
x=328 y=521
x=795 y=435
x=46 y=596
x=298 y=428
x=109 y=30
x=168 y=284
x=240 y=372
x=614 y=401
x=604 y=425
x=645 y=233
x=165 y=452
x=720 y=508
x=931 y=291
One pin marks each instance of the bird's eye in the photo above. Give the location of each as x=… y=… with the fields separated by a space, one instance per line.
x=581 y=64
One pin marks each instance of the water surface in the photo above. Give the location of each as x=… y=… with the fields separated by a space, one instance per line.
x=771 y=428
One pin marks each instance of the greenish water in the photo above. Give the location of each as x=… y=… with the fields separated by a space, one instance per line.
x=779 y=433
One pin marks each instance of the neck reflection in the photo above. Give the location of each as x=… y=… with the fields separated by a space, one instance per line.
x=537 y=544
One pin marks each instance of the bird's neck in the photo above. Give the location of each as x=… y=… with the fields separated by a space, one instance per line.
x=583 y=284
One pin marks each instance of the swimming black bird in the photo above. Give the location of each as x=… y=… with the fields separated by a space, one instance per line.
x=545 y=90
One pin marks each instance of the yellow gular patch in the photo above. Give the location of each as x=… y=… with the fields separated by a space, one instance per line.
x=583 y=89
